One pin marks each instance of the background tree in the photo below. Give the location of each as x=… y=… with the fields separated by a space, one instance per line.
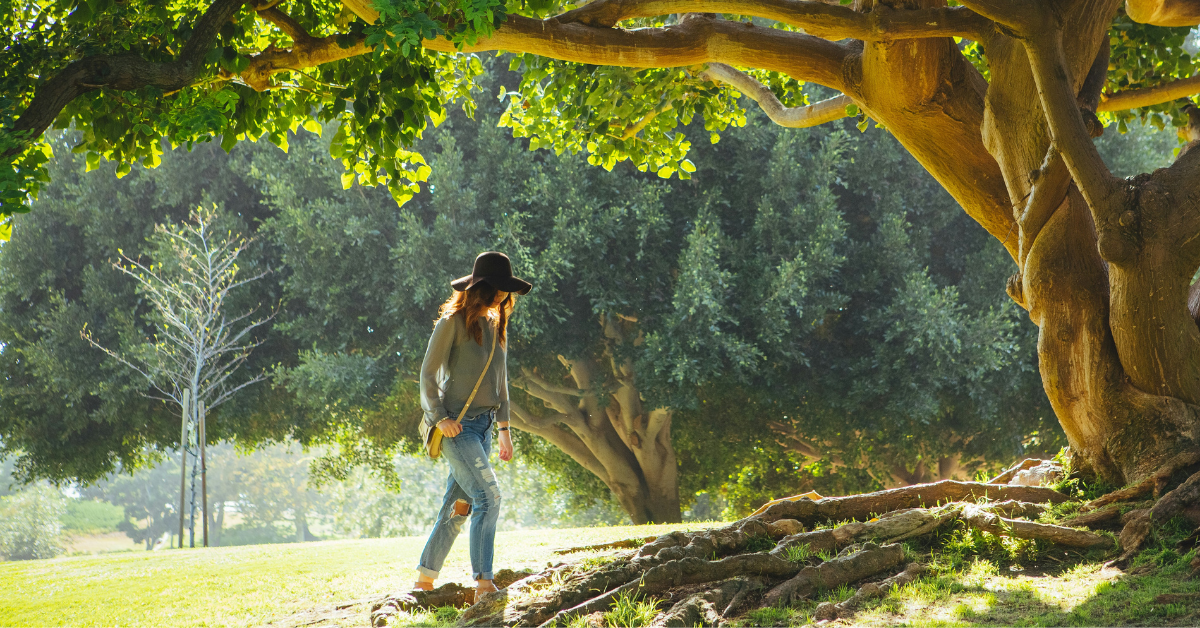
x=149 y=498
x=31 y=523
x=71 y=412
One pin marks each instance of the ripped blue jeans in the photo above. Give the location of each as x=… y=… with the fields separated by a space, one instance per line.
x=471 y=479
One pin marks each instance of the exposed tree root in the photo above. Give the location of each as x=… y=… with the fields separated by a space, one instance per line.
x=1153 y=484
x=710 y=577
x=449 y=594
x=1106 y=515
x=868 y=505
x=830 y=574
x=982 y=519
x=1007 y=475
x=689 y=570
x=709 y=607
x=1134 y=534
x=829 y=611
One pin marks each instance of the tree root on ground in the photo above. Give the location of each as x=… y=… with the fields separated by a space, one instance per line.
x=829 y=610
x=713 y=576
x=830 y=574
x=1153 y=484
x=710 y=606
x=1141 y=522
x=449 y=594
x=986 y=521
x=866 y=506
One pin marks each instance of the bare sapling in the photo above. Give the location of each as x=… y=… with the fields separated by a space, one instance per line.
x=193 y=354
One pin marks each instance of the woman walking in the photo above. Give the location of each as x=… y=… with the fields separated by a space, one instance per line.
x=468 y=338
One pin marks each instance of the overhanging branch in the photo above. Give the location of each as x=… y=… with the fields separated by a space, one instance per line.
x=692 y=42
x=1164 y=12
x=794 y=117
x=1147 y=96
x=826 y=20
x=122 y=72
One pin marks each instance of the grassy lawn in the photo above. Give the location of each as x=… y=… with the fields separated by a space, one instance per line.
x=253 y=585
x=303 y=584
x=1154 y=591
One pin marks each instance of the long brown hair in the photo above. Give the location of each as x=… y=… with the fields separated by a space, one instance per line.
x=476 y=303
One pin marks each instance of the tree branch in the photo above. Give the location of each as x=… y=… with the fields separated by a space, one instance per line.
x=1164 y=12
x=828 y=21
x=794 y=117
x=692 y=42
x=286 y=24
x=123 y=72
x=1147 y=96
x=569 y=443
x=1070 y=135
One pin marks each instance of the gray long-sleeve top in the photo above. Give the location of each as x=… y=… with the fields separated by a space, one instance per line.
x=452 y=365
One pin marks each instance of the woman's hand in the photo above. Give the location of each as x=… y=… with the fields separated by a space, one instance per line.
x=506 y=447
x=449 y=428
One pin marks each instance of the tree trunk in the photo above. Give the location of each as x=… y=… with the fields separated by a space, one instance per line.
x=216 y=521
x=609 y=433
x=1105 y=273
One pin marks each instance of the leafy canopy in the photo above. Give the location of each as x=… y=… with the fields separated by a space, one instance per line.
x=132 y=75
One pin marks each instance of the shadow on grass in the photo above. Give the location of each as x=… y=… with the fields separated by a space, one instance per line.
x=1159 y=589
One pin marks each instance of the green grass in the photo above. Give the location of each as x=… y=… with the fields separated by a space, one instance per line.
x=798 y=553
x=86 y=516
x=1083 y=594
x=257 y=584
x=629 y=611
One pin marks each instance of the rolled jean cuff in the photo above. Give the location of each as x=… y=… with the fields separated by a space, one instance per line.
x=427 y=572
x=487 y=575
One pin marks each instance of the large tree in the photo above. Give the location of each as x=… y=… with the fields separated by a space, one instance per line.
x=995 y=99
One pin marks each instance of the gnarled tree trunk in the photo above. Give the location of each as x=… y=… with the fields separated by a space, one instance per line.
x=1117 y=344
x=599 y=420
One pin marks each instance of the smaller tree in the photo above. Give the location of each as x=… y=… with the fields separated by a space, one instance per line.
x=197 y=348
x=31 y=524
x=145 y=496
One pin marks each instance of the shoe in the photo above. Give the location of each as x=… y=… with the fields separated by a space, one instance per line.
x=421 y=585
x=483 y=589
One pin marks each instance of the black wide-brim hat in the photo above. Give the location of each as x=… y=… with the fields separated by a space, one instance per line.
x=496 y=270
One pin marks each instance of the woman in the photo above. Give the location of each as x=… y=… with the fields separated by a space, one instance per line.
x=462 y=341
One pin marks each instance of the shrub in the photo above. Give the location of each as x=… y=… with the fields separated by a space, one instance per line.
x=31 y=524
x=84 y=516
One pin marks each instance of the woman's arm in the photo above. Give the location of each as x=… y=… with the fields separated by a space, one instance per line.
x=436 y=356
x=502 y=414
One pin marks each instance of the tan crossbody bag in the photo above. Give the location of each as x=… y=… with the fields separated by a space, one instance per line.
x=430 y=434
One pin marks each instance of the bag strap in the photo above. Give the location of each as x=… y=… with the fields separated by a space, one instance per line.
x=479 y=382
